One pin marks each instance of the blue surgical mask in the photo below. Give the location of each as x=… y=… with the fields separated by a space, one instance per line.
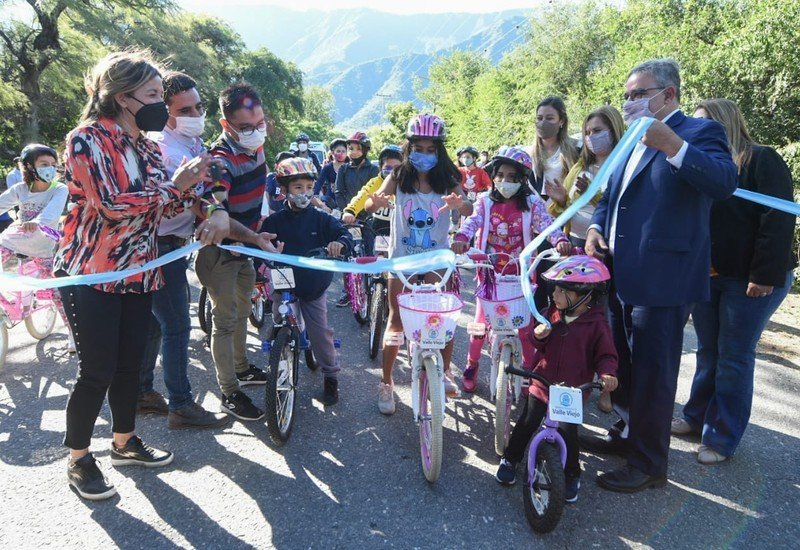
x=46 y=173
x=423 y=162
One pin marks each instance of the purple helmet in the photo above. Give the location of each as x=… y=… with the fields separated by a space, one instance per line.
x=513 y=155
x=426 y=126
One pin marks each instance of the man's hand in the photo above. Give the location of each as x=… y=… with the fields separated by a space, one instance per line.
x=29 y=227
x=609 y=383
x=214 y=229
x=758 y=291
x=335 y=249
x=264 y=242
x=595 y=244
x=541 y=332
x=556 y=191
x=348 y=218
x=662 y=137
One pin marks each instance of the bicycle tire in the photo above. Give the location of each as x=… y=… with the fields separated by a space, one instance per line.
x=548 y=463
x=377 y=318
x=360 y=308
x=50 y=323
x=431 y=420
x=258 y=311
x=3 y=343
x=281 y=370
x=204 y=311
x=502 y=403
x=311 y=359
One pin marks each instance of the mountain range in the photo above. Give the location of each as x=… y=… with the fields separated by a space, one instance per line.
x=368 y=58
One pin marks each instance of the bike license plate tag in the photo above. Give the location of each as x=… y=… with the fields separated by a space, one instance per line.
x=283 y=278
x=566 y=405
x=355 y=232
x=381 y=243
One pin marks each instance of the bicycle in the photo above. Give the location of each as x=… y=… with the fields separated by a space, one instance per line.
x=506 y=313
x=544 y=486
x=356 y=283
x=289 y=337
x=377 y=291
x=35 y=308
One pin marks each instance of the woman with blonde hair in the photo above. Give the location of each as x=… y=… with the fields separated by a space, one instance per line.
x=553 y=151
x=119 y=191
x=601 y=131
x=751 y=274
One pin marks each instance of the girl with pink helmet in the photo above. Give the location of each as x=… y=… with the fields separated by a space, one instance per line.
x=577 y=347
x=426 y=185
x=505 y=220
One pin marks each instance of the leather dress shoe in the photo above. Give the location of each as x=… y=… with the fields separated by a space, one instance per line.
x=629 y=480
x=605 y=444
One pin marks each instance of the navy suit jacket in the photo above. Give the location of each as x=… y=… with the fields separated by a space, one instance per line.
x=662 y=251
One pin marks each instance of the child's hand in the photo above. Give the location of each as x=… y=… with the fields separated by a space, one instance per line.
x=564 y=248
x=29 y=227
x=453 y=201
x=459 y=247
x=348 y=218
x=379 y=200
x=541 y=332
x=609 y=383
x=335 y=248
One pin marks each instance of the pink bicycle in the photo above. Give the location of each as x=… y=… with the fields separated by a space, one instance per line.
x=35 y=308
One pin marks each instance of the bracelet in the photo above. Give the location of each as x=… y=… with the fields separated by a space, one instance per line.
x=211 y=208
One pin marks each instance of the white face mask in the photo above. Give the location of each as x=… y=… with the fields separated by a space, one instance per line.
x=508 y=188
x=302 y=147
x=46 y=173
x=190 y=126
x=253 y=141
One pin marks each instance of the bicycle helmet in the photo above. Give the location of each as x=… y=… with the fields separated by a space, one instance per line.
x=337 y=142
x=283 y=155
x=33 y=151
x=516 y=156
x=582 y=274
x=390 y=151
x=426 y=126
x=302 y=136
x=361 y=138
x=468 y=149
x=295 y=167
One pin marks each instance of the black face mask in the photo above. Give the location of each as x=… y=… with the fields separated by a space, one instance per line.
x=152 y=117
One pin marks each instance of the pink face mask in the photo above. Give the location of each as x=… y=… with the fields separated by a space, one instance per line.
x=340 y=157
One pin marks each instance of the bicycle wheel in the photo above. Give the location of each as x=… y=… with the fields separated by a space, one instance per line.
x=431 y=414
x=204 y=311
x=3 y=343
x=42 y=318
x=311 y=360
x=358 y=299
x=502 y=403
x=281 y=384
x=258 y=312
x=544 y=497
x=377 y=318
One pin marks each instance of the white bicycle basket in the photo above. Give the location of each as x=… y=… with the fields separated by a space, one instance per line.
x=429 y=318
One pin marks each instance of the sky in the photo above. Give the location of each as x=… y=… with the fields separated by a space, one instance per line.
x=395 y=6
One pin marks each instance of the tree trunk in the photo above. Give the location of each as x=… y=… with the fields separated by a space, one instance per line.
x=30 y=87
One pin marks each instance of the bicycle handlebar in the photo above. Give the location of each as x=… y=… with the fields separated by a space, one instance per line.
x=548 y=383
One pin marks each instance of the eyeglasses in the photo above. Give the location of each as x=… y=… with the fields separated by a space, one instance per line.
x=250 y=130
x=639 y=93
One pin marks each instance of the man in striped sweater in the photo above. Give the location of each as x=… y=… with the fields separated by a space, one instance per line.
x=229 y=278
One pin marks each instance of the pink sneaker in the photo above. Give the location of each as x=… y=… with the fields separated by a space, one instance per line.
x=469 y=379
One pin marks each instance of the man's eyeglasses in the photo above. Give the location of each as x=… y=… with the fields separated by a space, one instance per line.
x=250 y=130
x=639 y=93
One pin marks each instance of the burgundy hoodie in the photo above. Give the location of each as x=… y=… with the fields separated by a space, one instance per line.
x=573 y=353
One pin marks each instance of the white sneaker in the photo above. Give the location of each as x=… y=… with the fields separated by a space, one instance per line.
x=451 y=389
x=71 y=343
x=386 y=398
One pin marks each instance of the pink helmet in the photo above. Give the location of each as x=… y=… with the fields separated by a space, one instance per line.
x=426 y=126
x=514 y=155
x=578 y=273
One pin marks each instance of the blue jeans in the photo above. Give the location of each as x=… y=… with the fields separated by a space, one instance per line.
x=169 y=331
x=728 y=329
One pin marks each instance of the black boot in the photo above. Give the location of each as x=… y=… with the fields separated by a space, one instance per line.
x=330 y=394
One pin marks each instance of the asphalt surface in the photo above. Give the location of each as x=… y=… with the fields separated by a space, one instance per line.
x=350 y=477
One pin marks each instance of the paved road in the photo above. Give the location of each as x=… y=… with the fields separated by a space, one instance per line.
x=350 y=477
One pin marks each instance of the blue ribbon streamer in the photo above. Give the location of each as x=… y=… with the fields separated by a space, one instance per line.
x=767 y=200
x=617 y=157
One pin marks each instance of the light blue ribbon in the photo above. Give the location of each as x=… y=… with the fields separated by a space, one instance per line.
x=769 y=201
x=619 y=155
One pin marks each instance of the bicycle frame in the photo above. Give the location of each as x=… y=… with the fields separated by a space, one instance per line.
x=17 y=306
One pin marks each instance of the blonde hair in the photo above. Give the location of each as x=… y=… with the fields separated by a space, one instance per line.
x=727 y=113
x=117 y=73
x=568 y=151
x=616 y=127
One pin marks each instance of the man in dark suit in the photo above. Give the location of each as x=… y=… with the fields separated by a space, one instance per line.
x=653 y=225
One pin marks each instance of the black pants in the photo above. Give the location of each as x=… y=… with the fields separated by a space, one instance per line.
x=111 y=332
x=529 y=421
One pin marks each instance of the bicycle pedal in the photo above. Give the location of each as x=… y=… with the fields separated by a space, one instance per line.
x=266 y=346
